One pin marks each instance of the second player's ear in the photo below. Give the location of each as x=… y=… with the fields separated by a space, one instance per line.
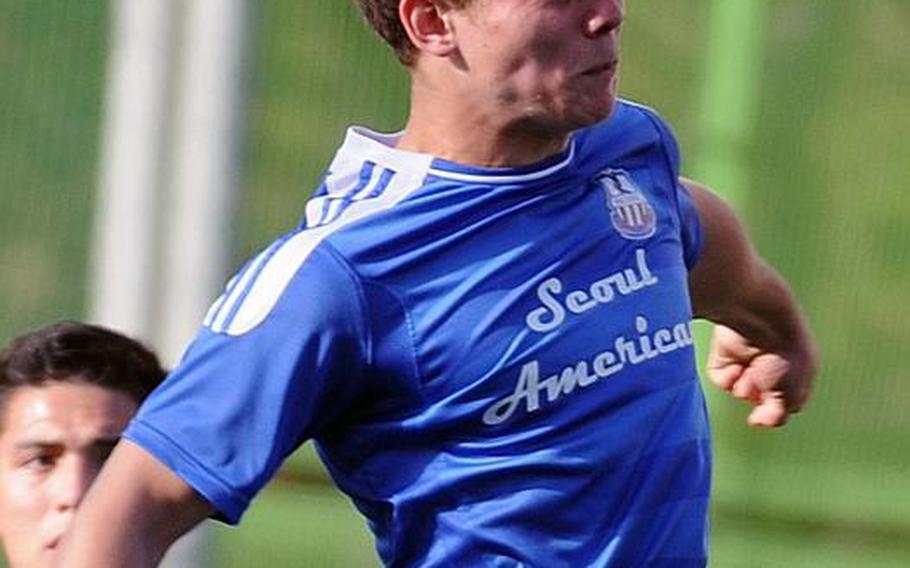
x=428 y=26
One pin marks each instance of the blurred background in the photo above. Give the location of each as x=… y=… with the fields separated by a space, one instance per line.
x=797 y=110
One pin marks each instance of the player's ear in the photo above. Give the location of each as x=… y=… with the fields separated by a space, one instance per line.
x=428 y=26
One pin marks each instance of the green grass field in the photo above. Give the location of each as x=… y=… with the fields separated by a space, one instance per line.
x=825 y=201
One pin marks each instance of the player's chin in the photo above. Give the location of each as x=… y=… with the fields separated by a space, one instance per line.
x=591 y=112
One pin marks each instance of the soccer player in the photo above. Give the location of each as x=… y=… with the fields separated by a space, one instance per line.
x=66 y=393
x=483 y=321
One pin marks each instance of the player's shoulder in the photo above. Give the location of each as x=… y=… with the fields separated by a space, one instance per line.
x=631 y=130
x=636 y=109
x=299 y=258
x=630 y=118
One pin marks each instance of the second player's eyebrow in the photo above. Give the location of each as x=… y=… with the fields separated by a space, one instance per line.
x=32 y=444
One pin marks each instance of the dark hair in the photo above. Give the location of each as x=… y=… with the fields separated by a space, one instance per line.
x=69 y=350
x=382 y=15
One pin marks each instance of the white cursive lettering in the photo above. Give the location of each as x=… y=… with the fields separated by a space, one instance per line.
x=552 y=313
x=627 y=352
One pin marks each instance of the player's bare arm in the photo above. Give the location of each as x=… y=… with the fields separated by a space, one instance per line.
x=762 y=350
x=142 y=507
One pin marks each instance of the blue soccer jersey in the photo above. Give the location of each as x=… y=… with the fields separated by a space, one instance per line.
x=496 y=364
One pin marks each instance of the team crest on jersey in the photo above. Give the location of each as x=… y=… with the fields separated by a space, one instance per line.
x=631 y=214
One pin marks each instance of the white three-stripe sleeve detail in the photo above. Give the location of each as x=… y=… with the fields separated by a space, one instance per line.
x=375 y=176
x=277 y=274
x=213 y=310
x=313 y=212
x=334 y=207
x=227 y=306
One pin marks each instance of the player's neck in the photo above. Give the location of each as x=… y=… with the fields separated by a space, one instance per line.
x=460 y=131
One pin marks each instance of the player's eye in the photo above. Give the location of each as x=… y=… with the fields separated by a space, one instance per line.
x=40 y=463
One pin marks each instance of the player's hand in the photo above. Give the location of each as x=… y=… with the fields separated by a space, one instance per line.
x=777 y=384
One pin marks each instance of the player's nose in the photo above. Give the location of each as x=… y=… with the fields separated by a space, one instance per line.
x=71 y=481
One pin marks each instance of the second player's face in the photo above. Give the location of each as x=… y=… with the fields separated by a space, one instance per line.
x=553 y=63
x=53 y=440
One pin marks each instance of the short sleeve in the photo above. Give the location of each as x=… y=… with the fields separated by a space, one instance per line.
x=687 y=214
x=239 y=404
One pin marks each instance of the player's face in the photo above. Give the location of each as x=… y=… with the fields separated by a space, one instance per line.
x=553 y=63
x=53 y=441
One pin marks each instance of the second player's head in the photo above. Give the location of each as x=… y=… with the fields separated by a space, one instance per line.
x=66 y=393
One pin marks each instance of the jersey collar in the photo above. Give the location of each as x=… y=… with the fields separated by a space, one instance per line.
x=380 y=147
